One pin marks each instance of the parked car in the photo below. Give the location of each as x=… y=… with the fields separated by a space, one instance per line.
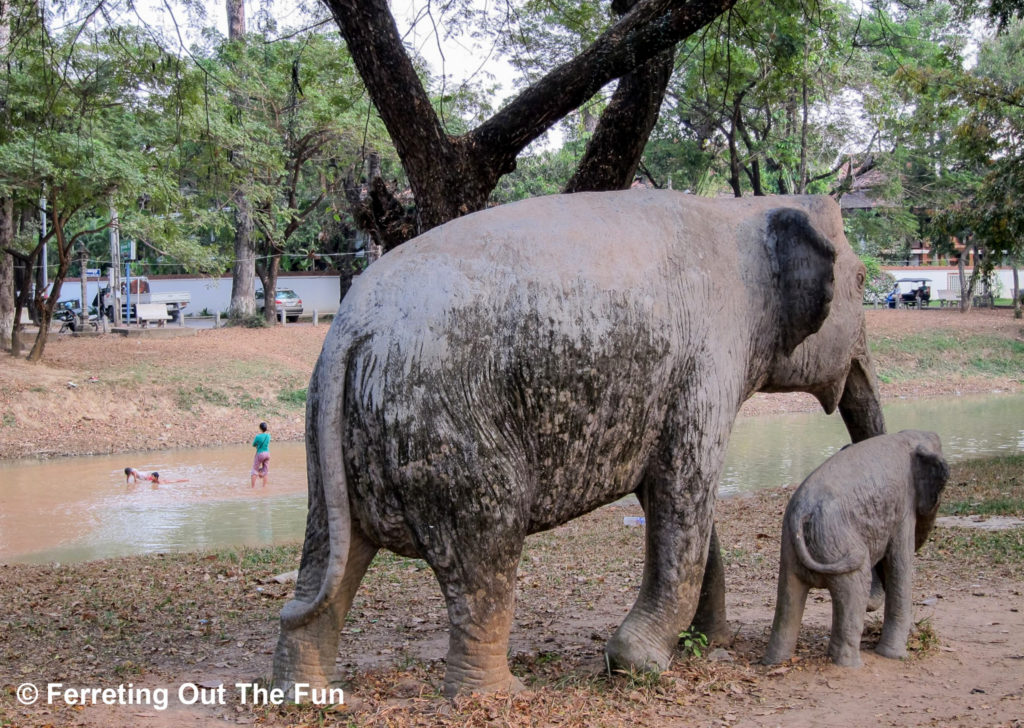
x=287 y=299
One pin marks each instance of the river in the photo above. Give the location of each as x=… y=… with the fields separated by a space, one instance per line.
x=79 y=509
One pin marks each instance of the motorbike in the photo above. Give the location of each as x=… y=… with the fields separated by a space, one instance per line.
x=71 y=318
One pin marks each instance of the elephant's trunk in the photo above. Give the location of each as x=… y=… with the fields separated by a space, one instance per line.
x=860 y=404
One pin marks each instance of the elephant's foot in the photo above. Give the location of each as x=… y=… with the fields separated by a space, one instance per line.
x=632 y=649
x=306 y=656
x=779 y=650
x=894 y=651
x=845 y=655
x=463 y=677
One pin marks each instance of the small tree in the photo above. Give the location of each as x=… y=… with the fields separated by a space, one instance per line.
x=85 y=136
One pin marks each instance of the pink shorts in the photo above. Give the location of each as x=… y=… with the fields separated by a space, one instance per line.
x=261 y=464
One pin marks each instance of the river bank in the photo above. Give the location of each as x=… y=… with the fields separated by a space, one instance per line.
x=110 y=394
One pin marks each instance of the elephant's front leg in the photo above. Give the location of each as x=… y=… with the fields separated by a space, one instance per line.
x=678 y=495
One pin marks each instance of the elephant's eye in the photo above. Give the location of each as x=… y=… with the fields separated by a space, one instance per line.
x=860 y=279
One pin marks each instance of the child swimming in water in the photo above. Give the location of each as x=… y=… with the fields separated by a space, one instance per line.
x=154 y=477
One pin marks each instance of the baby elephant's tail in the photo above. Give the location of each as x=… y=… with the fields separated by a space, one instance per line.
x=852 y=560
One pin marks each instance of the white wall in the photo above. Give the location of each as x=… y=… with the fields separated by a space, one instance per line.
x=318 y=292
x=940 y=278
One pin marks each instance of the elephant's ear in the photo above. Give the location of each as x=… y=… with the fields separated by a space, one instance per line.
x=804 y=261
x=930 y=472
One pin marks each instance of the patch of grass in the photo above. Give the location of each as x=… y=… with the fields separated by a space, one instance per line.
x=998 y=507
x=923 y=638
x=994 y=547
x=250 y=403
x=8 y=420
x=985 y=486
x=186 y=398
x=273 y=558
x=640 y=679
x=293 y=397
x=940 y=353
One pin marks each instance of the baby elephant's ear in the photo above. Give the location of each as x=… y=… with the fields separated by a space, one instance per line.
x=930 y=473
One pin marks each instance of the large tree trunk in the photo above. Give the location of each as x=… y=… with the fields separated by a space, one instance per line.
x=6 y=212
x=452 y=176
x=243 y=273
x=6 y=270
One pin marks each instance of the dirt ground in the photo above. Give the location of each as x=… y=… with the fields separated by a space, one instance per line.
x=210 y=619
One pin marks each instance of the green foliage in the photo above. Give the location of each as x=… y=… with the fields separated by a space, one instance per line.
x=923 y=638
x=877 y=282
x=693 y=642
x=884 y=233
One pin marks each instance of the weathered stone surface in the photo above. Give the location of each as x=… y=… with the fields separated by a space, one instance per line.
x=515 y=368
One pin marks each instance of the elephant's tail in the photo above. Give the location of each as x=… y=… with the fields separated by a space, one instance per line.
x=851 y=561
x=328 y=521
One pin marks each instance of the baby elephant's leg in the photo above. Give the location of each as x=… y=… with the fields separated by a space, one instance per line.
x=789 y=610
x=899 y=579
x=849 y=594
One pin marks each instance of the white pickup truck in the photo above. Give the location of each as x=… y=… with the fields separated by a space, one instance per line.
x=176 y=301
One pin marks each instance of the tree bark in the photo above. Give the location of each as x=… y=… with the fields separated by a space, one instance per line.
x=614 y=151
x=452 y=176
x=268 y=277
x=243 y=273
x=6 y=210
x=6 y=271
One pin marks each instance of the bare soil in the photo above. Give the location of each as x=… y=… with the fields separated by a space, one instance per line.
x=163 y=621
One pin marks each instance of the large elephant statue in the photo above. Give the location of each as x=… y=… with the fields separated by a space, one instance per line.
x=521 y=366
x=872 y=503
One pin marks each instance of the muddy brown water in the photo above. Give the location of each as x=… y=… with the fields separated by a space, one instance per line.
x=79 y=509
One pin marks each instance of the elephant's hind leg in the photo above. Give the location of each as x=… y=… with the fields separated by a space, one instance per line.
x=789 y=610
x=480 y=610
x=849 y=594
x=307 y=653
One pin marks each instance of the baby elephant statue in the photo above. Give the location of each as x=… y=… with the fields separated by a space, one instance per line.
x=872 y=503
